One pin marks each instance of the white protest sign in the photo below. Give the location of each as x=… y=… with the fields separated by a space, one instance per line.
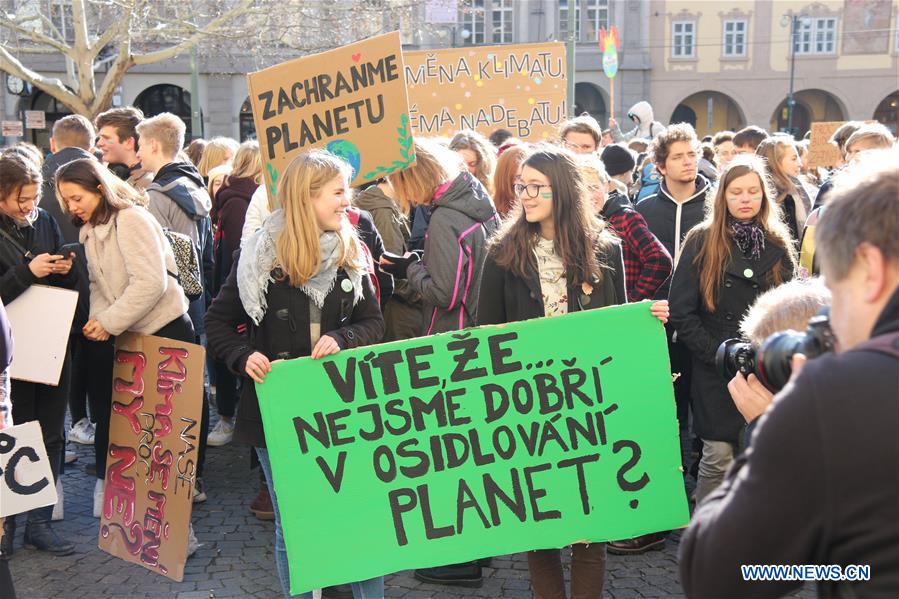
x=25 y=478
x=40 y=320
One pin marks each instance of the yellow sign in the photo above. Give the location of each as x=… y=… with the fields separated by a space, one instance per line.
x=521 y=88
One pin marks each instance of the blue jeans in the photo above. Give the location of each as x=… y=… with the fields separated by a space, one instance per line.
x=366 y=589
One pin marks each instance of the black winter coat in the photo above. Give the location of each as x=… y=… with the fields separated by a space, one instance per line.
x=283 y=334
x=715 y=416
x=42 y=237
x=506 y=297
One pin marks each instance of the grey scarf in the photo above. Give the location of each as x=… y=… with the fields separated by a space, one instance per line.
x=258 y=259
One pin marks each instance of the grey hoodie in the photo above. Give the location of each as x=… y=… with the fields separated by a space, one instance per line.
x=646 y=128
x=449 y=275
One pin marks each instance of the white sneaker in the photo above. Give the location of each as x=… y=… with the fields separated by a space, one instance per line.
x=98 y=498
x=221 y=434
x=58 y=513
x=192 y=543
x=83 y=432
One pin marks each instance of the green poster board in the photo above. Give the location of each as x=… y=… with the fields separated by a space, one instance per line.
x=484 y=442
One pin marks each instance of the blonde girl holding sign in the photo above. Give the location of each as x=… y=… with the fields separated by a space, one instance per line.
x=300 y=285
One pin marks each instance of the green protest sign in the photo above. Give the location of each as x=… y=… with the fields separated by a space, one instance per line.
x=464 y=445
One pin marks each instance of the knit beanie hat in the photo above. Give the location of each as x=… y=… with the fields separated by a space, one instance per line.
x=617 y=159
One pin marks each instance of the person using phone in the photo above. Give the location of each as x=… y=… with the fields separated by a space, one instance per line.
x=30 y=254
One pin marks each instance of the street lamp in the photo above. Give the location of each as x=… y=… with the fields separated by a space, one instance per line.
x=793 y=21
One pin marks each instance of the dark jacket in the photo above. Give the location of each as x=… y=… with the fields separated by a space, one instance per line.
x=449 y=275
x=370 y=236
x=647 y=264
x=715 y=417
x=67 y=228
x=800 y=494
x=670 y=221
x=41 y=237
x=49 y=202
x=229 y=210
x=351 y=326
x=506 y=297
x=402 y=313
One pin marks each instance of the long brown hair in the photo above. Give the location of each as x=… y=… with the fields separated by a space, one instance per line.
x=90 y=175
x=483 y=149
x=507 y=167
x=579 y=234
x=714 y=233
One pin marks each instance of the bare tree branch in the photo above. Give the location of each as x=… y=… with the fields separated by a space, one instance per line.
x=52 y=87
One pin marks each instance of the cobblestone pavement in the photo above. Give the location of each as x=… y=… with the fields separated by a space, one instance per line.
x=236 y=559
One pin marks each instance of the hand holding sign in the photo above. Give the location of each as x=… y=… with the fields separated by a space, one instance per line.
x=481 y=442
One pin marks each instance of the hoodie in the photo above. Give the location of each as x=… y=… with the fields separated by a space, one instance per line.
x=449 y=276
x=647 y=128
x=180 y=202
x=647 y=263
x=670 y=220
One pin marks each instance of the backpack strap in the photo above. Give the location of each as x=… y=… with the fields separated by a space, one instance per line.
x=887 y=343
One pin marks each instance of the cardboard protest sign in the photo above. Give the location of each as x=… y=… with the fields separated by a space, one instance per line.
x=41 y=319
x=521 y=88
x=494 y=440
x=351 y=101
x=26 y=481
x=154 y=429
x=821 y=153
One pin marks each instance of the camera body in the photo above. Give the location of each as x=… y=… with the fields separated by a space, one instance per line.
x=772 y=361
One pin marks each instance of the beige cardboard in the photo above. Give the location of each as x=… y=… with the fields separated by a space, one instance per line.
x=351 y=101
x=520 y=87
x=154 y=431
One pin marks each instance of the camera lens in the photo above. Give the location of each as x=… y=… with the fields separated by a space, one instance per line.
x=733 y=356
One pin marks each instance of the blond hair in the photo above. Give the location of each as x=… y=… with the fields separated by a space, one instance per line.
x=878 y=135
x=247 y=163
x=216 y=154
x=787 y=306
x=297 y=247
x=166 y=129
x=434 y=166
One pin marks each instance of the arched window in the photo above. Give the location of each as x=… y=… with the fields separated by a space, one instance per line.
x=166 y=98
x=887 y=112
x=245 y=120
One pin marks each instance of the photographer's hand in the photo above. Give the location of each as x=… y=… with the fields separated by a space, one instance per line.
x=750 y=396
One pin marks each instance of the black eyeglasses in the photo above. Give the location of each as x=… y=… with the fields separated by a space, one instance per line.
x=532 y=189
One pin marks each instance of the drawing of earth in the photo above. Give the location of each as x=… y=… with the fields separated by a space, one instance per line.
x=348 y=151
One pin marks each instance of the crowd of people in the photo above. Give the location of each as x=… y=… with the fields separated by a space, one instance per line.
x=725 y=235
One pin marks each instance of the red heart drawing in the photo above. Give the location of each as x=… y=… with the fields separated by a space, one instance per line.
x=357 y=57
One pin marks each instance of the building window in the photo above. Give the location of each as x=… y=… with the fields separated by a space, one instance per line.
x=735 y=38
x=815 y=36
x=597 y=18
x=60 y=12
x=563 y=19
x=897 y=33
x=587 y=22
x=683 y=39
x=501 y=11
x=472 y=18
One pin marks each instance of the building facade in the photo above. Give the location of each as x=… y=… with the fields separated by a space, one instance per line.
x=716 y=64
x=723 y=65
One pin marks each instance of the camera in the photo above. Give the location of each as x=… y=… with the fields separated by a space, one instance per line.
x=772 y=361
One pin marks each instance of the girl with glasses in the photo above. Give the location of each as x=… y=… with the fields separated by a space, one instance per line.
x=553 y=256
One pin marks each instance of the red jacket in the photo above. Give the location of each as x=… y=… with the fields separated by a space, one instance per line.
x=647 y=264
